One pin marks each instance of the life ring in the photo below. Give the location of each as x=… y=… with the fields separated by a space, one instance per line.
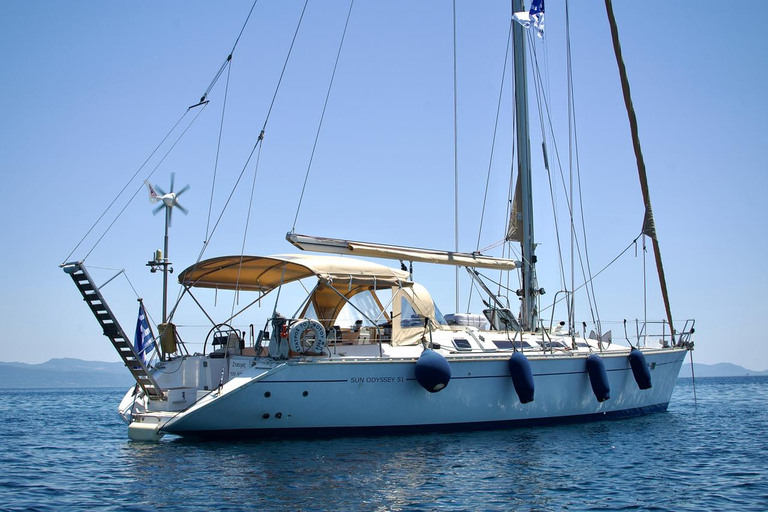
x=297 y=337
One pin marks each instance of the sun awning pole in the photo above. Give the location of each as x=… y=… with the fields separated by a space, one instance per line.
x=648 y=225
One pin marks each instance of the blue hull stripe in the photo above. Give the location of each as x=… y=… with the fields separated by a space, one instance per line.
x=329 y=432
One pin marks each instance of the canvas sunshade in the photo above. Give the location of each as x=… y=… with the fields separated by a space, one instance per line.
x=263 y=273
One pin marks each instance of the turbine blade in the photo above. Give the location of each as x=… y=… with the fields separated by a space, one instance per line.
x=160 y=189
x=183 y=210
x=158 y=208
x=173 y=178
x=184 y=189
x=170 y=217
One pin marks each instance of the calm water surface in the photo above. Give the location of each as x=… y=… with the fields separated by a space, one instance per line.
x=66 y=449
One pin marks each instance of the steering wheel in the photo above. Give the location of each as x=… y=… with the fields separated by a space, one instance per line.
x=219 y=328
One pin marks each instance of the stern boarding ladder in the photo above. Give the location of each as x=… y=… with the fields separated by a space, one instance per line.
x=112 y=329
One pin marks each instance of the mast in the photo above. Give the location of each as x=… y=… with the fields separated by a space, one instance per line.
x=528 y=310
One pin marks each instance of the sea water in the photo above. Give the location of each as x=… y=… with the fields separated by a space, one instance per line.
x=67 y=450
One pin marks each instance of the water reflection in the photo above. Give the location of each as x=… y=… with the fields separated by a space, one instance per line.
x=421 y=471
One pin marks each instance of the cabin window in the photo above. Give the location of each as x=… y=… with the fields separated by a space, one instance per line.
x=408 y=316
x=555 y=344
x=364 y=302
x=439 y=318
x=461 y=344
x=507 y=344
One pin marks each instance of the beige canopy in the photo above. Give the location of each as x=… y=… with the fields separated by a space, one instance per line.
x=263 y=273
x=408 y=330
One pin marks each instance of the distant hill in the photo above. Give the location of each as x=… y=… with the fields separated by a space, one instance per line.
x=65 y=373
x=717 y=370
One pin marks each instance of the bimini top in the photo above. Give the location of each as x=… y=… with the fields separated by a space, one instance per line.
x=263 y=273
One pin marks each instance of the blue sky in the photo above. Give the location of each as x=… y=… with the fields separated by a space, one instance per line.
x=90 y=88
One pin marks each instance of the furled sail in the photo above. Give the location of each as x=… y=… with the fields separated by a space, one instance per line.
x=515 y=226
x=649 y=226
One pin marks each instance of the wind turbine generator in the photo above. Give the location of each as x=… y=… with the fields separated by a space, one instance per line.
x=168 y=201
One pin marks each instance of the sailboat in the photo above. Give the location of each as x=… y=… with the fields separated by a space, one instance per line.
x=368 y=351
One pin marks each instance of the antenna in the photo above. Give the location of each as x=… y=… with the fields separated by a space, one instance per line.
x=168 y=202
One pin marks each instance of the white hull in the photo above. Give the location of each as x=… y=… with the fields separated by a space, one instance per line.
x=337 y=396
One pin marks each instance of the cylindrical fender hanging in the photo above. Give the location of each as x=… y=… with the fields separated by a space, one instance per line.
x=433 y=371
x=298 y=340
x=640 y=369
x=598 y=377
x=522 y=377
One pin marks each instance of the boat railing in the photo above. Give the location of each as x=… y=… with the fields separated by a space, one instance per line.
x=686 y=335
x=661 y=331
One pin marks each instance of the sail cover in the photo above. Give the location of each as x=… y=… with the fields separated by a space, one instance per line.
x=394 y=252
x=263 y=273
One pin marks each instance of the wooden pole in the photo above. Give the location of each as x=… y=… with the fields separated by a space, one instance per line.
x=648 y=224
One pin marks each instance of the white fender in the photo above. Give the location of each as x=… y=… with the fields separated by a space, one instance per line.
x=296 y=336
x=146 y=432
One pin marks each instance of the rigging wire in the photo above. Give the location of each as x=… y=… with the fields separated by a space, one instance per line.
x=228 y=65
x=231 y=194
x=130 y=200
x=541 y=104
x=322 y=115
x=218 y=149
x=493 y=139
x=572 y=230
x=592 y=278
x=641 y=169
x=257 y=144
x=455 y=154
x=128 y=183
x=202 y=102
x=245 y=234
x=259 y=139
x=130 y=283
x=178 y=139
x=591 y=296
x=490 y=159
x=247 y=18
x=645 y=289
x=568 y=199
x=229 y=56
x=285 y=65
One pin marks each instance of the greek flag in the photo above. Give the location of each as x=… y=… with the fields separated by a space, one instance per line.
x=535 y=15
x=143 y=342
